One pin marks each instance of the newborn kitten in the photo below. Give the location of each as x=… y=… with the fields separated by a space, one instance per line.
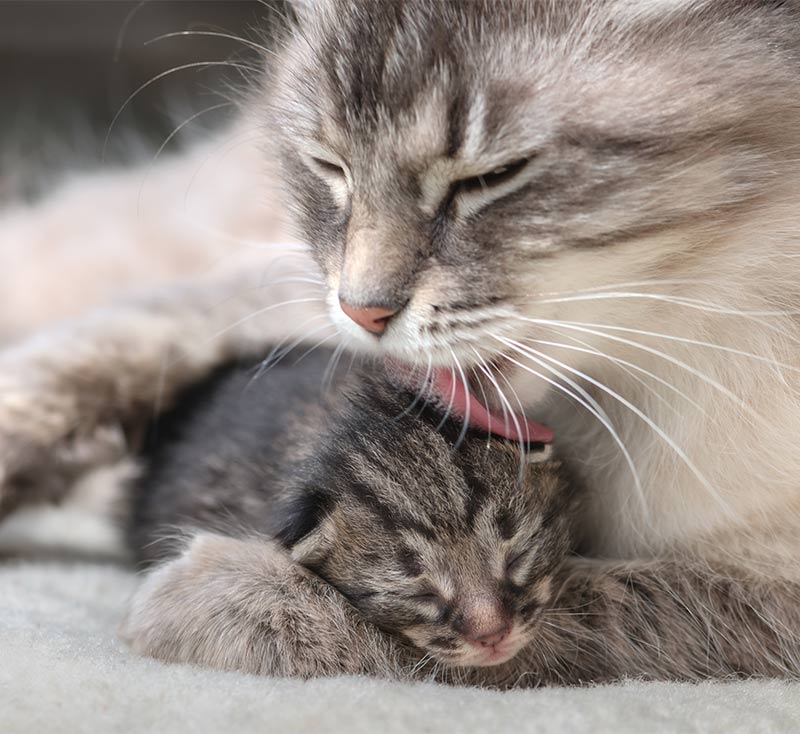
x=450 y=541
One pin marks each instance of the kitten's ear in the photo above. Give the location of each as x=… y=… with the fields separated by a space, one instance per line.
x=302 y=515
x=315 y=546
x=539 y=453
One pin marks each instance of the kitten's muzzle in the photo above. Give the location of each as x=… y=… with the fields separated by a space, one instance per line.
x=491 y=639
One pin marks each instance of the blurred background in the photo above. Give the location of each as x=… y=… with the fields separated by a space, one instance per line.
x=68 y=66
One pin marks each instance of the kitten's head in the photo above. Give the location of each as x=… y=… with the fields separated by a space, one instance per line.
x=450 y=543
x=452 y=164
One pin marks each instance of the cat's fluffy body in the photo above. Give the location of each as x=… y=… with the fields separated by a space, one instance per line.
x=662 y=199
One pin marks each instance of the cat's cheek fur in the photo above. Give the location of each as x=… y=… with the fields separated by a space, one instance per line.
x=244 y=605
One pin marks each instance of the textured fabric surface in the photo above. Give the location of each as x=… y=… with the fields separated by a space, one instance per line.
x=63 y=669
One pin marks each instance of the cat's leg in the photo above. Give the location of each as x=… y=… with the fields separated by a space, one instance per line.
x=244 y=605
x=668 y=619
x=71 y=397
x=207 y=217
x=207 y=210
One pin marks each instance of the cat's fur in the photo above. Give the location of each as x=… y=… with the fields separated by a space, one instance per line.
x=449 y=541
x=662 y=200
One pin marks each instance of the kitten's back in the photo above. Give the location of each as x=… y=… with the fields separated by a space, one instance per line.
x=219 y=458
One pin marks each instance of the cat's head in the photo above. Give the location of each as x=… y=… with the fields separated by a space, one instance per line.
x=450 y=542
x=460 y=168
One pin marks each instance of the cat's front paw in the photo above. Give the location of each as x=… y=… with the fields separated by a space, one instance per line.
x=244 y=605
x=43 y=448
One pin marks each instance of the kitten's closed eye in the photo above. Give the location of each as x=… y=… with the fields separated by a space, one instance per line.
x=514 y=561
x=425 y=597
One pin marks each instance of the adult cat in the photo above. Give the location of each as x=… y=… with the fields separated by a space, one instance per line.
x=589 y=208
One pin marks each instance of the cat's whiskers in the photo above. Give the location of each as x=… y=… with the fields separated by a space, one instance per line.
x=697 y=303
x=261 y=312
x=333 y=363
x=522 y=438
x=506 y=406
x=281 y=349
x=739 y=402
x=421 y=391
x=623 y=364
x=693 y=342
x=658 y=430
x=452 y=400
x=466 y=415
x=583 y=398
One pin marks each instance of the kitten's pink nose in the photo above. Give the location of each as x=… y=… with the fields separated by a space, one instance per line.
x=490 y=639
x=372 y=318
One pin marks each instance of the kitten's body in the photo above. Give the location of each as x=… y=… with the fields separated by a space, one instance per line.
x=441 y=534
x=668 y=131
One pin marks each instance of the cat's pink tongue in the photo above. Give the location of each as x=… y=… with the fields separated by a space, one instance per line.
x=451 y=391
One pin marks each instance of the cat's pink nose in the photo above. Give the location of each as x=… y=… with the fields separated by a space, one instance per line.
x=374 y=319
x=490 y=639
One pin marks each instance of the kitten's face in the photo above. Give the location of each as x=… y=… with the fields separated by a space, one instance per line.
x=457 y=163
x=449 y=548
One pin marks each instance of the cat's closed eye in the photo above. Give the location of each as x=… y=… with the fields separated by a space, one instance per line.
x=493 y=178
x=328 y=168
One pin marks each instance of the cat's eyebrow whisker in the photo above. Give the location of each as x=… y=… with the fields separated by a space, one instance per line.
x=656 y=352
x=213 y=34
x=580 y=396
x=174 y=70
x=660 y=432
x=622 y=363
x=188 y=121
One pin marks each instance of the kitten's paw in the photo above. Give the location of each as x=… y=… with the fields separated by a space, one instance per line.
x=244 y=605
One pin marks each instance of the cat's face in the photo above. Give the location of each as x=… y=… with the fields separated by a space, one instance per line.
x=458 y=163
x=449 y=543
